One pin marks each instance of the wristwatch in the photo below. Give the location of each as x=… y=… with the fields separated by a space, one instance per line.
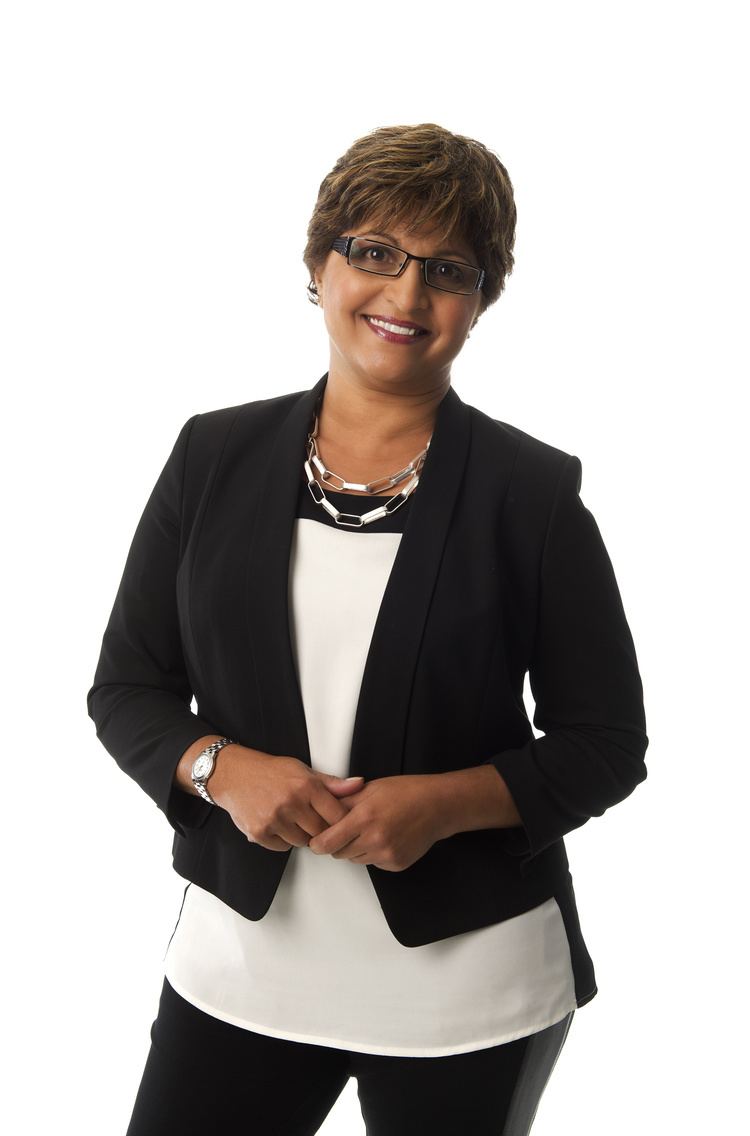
x=203 y=767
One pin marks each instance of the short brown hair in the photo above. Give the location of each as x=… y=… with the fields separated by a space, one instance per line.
x=420 y=175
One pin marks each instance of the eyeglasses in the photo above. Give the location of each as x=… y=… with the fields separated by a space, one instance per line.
x=385 y=260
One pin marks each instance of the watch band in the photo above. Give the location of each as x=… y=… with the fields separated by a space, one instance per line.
x=204 y=765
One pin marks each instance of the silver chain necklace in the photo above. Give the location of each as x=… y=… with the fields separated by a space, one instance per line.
x=355 y=520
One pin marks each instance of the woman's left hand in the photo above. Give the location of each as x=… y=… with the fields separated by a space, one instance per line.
x=391 y=822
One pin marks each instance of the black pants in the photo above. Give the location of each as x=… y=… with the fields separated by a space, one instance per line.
x=203 y=1075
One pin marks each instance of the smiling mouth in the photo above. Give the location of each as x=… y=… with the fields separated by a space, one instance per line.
x=396 y=329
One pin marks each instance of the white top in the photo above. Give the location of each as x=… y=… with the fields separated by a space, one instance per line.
x=322 y=966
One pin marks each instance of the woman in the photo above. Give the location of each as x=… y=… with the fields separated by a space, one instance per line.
x=358 y=670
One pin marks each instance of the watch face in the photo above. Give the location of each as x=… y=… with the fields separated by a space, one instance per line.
x=202 y=765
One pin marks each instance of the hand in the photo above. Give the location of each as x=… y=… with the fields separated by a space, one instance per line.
x=390 y=823
x=277 y=802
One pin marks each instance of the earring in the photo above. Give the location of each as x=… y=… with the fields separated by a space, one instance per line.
x=312 y=293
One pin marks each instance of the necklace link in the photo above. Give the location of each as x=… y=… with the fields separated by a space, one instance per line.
x=356 y=520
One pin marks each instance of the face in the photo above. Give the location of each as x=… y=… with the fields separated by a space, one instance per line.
x=349 y=296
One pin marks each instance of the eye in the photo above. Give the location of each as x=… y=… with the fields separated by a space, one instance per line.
x=370 y=252
x=448 y=270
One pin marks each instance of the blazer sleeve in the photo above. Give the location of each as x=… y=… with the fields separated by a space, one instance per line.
x=141 y=696
x=586 y=685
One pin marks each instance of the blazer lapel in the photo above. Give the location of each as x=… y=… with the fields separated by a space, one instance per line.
x=267 y=591
x=382 y=708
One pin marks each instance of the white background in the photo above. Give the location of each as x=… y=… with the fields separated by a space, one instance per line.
x=153 y=155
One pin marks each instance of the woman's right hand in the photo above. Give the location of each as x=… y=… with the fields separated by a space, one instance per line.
x=277 y=802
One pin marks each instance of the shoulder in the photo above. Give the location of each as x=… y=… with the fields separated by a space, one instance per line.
x=259 y=414
x=495 y=430
x=530 y=461
x=204 y=436
x=536 y=480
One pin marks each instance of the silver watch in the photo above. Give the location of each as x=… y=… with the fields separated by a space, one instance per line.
x=203 y=767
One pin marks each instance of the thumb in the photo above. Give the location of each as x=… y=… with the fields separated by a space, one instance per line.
x=341 y=784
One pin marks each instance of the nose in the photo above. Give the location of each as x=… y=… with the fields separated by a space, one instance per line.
x=409 y=290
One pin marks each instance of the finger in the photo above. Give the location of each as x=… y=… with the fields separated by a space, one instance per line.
x=321 y=813
x=330 y=808
x=349 y=851
x=341 y=786
x=291 y=834
x=334 y=839
x=312 y=823
x=308 y=823
x=273 y=843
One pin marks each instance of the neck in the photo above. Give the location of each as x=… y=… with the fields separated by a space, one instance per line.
x=374 y=422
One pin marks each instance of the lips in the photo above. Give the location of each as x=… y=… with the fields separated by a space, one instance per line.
x=399 y=335
x=398 y=323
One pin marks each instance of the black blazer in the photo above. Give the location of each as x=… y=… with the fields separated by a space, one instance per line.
x=500 y=570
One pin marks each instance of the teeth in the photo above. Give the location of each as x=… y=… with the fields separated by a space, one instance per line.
x=392 y=327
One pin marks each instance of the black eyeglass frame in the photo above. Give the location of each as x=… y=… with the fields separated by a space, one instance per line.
x=343 y=245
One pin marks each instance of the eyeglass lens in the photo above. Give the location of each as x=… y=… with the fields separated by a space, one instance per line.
x=371 y=256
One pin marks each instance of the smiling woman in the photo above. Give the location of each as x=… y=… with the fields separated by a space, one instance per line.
x=373 y=837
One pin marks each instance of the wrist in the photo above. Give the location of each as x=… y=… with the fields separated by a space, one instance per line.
x=183 y=773
x=446 y=807
x=224 y=773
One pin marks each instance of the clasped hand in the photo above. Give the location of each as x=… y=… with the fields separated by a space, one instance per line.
x=390 y=823
x=279 y=802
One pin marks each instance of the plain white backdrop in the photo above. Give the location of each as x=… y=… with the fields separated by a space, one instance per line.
x=160 y=165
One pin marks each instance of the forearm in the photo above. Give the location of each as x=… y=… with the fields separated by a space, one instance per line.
x=474 y=798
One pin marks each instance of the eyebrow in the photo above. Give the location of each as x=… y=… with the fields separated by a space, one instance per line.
x=440 y=252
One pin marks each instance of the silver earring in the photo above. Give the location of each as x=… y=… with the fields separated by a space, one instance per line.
x=312 y=293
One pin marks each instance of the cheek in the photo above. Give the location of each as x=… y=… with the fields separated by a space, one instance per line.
x=457 y=328
x=347 y=303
